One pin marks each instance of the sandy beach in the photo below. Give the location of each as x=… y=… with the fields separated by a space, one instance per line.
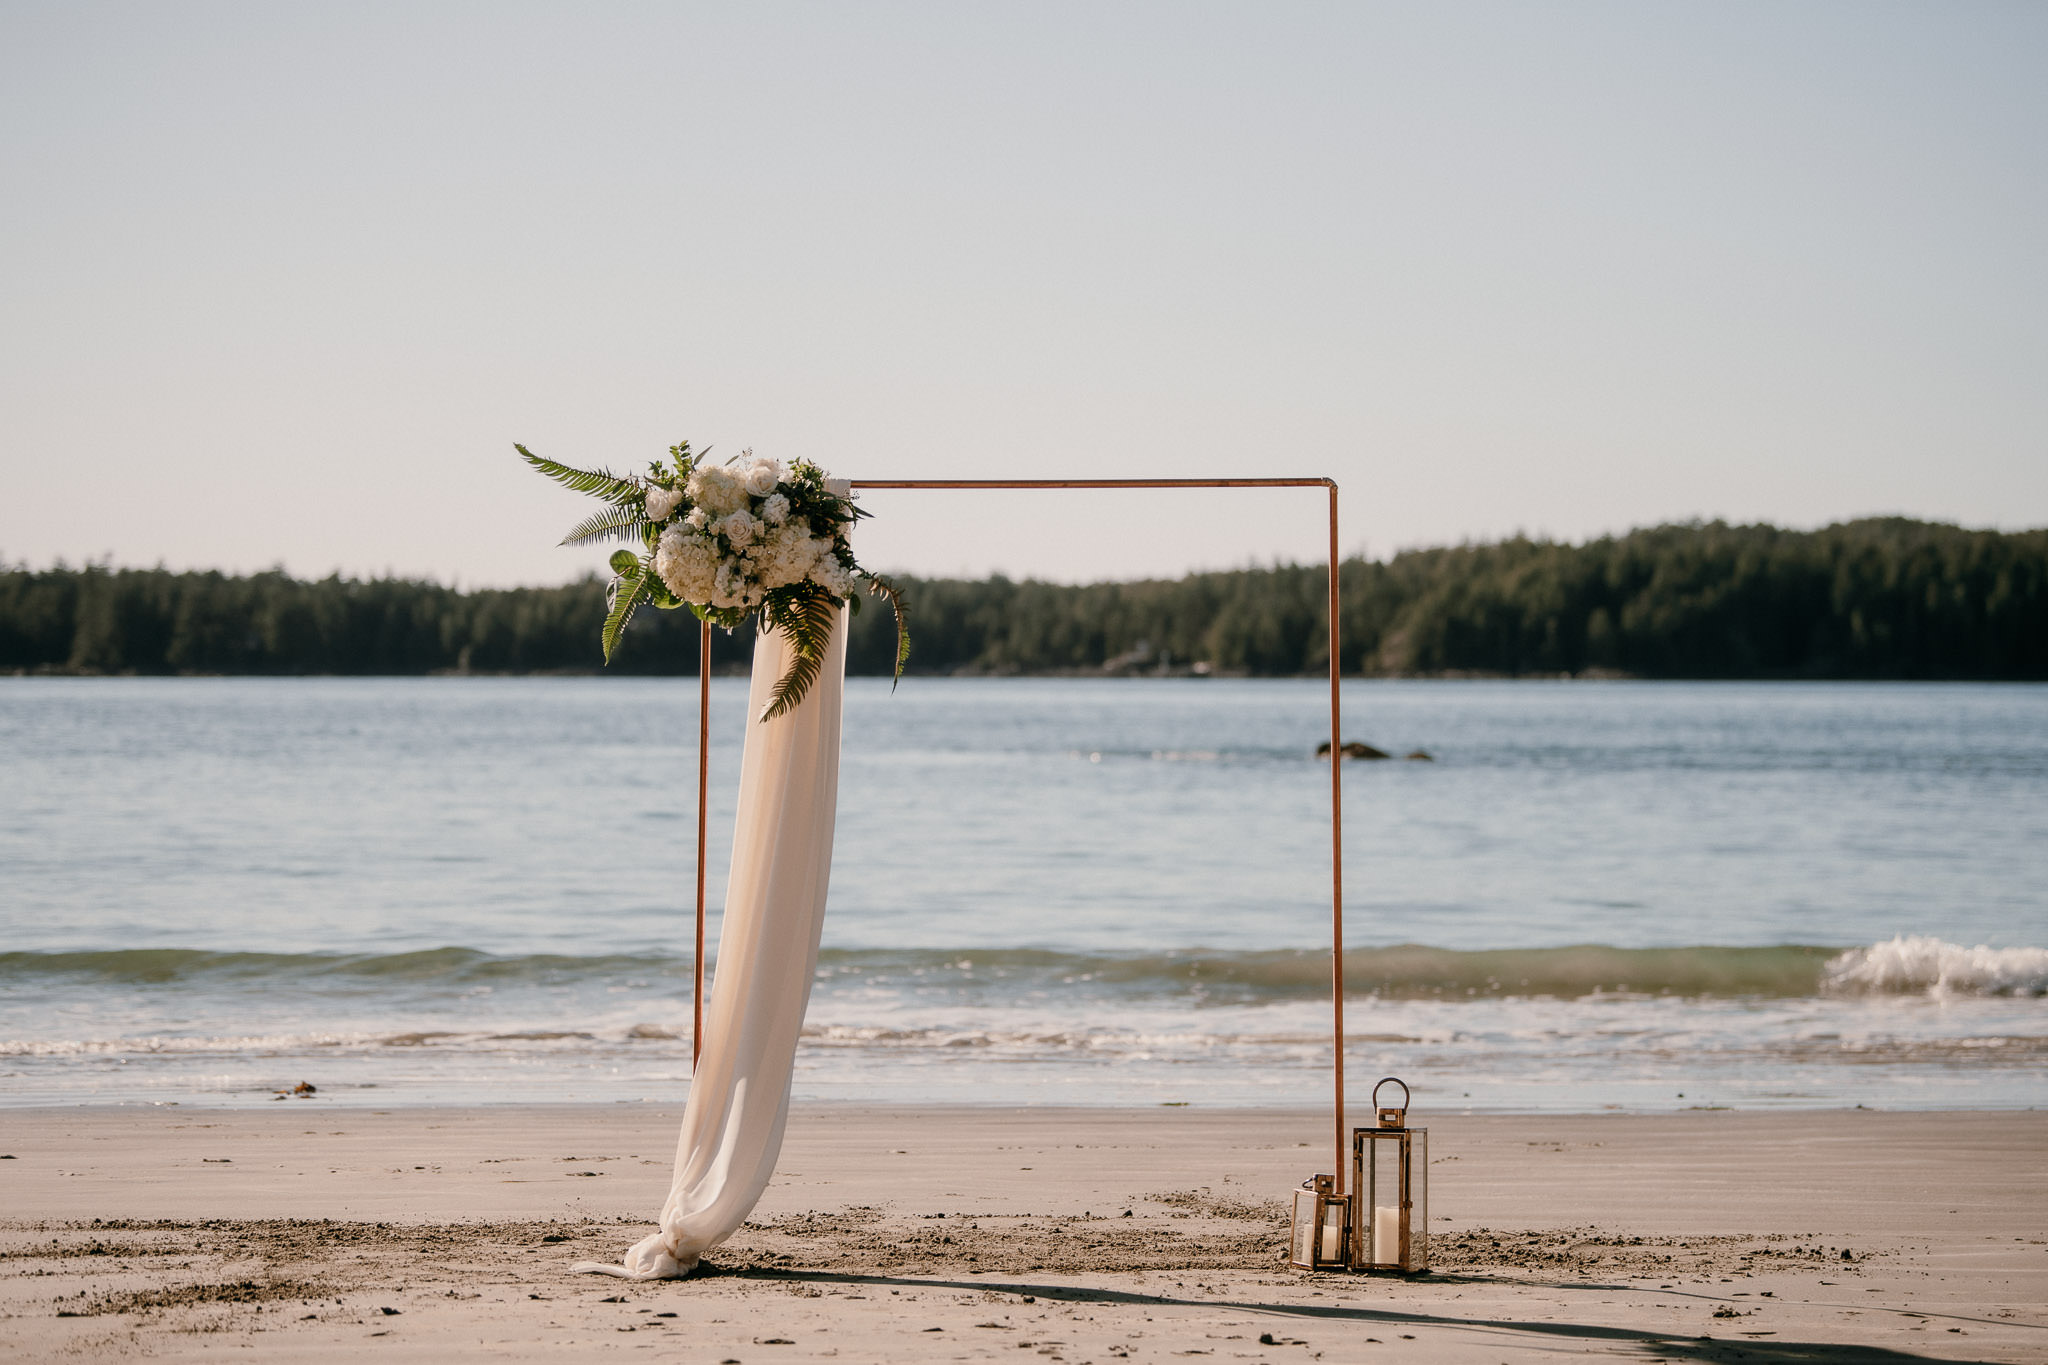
x=309 y=1232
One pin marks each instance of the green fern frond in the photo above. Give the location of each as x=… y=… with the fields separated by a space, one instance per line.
x=627 y=594
x=882 y=587
x=808 y=623
x=602 y=482
x=613 y=523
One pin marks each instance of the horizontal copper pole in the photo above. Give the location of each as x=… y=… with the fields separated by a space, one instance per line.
x=1094 y=483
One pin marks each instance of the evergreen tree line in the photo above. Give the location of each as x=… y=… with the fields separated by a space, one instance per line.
x=1879 y=598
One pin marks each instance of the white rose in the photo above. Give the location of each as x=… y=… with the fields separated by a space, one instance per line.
x=738 y=528
x=762 y=478
x=661 y=502
x=775 y=510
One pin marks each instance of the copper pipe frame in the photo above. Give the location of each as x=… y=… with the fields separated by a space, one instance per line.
x=703 y=794
x=1336 y=750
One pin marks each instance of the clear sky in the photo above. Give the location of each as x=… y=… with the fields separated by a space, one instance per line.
x=281 y=283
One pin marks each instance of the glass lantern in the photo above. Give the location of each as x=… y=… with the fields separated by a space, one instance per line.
x=1390 y=1182
x=1322 y=1226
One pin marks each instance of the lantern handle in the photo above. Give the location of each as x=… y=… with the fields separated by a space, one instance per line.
x=1397 y=1081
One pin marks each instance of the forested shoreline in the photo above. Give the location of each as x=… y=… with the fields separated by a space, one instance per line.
x=1877 y=598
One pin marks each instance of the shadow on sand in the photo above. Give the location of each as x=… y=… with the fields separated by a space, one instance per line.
x=1647 y=1346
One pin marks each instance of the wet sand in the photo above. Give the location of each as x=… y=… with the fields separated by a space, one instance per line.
x=305 y=1231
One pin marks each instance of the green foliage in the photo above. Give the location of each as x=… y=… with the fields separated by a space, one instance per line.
x=613 y=523
x=805 y=613
x=1880 y=598
x=99 y=619
x=601 y=482
x=882 y=587
x=628 y=591
x=1884 y=598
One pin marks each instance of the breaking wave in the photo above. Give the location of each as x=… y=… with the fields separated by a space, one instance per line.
x=1917 y=965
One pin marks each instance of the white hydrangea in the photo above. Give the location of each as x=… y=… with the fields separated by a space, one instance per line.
x=687 y=563
x=762 y=478
x=784 y=555
x=775 y=509
x=661 y=502
x=717 y=490
x=730 y=588
x=833 y=576
x=697 y=519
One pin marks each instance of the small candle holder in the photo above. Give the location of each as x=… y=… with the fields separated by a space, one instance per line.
x=1322 y=1226
x=1390 y=1183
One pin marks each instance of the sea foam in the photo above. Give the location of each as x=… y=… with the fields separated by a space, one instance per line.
x=1918 y=964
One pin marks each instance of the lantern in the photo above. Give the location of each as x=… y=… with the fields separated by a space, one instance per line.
x=1322 y=1226
x=1390 y=1187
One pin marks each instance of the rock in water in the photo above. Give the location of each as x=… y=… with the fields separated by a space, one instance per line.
x=1353 y=749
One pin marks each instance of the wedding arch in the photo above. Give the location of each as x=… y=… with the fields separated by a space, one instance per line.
x=1340 y=1148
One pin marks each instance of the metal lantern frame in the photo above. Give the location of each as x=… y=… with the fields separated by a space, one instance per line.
x=1392 y=1159
x=1320 y=1236
x=1336 y=755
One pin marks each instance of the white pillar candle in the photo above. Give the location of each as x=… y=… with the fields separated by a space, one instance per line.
x=1386 y=1234
x=1333 y=1243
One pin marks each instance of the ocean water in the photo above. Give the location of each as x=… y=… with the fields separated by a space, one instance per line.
x=1597 y=895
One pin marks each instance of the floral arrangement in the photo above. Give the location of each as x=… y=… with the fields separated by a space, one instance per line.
x=729 y=541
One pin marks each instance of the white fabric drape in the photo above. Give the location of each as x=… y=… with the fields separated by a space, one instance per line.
x=767 y=955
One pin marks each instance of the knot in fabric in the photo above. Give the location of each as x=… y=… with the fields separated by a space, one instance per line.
x=653 y=1257
x=656 y=1257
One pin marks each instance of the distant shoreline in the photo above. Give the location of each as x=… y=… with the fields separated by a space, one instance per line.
x=1878 y=599
x=1069 y=675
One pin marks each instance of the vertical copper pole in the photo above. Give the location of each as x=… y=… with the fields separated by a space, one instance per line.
x=1336 y=852
x=703 y=795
